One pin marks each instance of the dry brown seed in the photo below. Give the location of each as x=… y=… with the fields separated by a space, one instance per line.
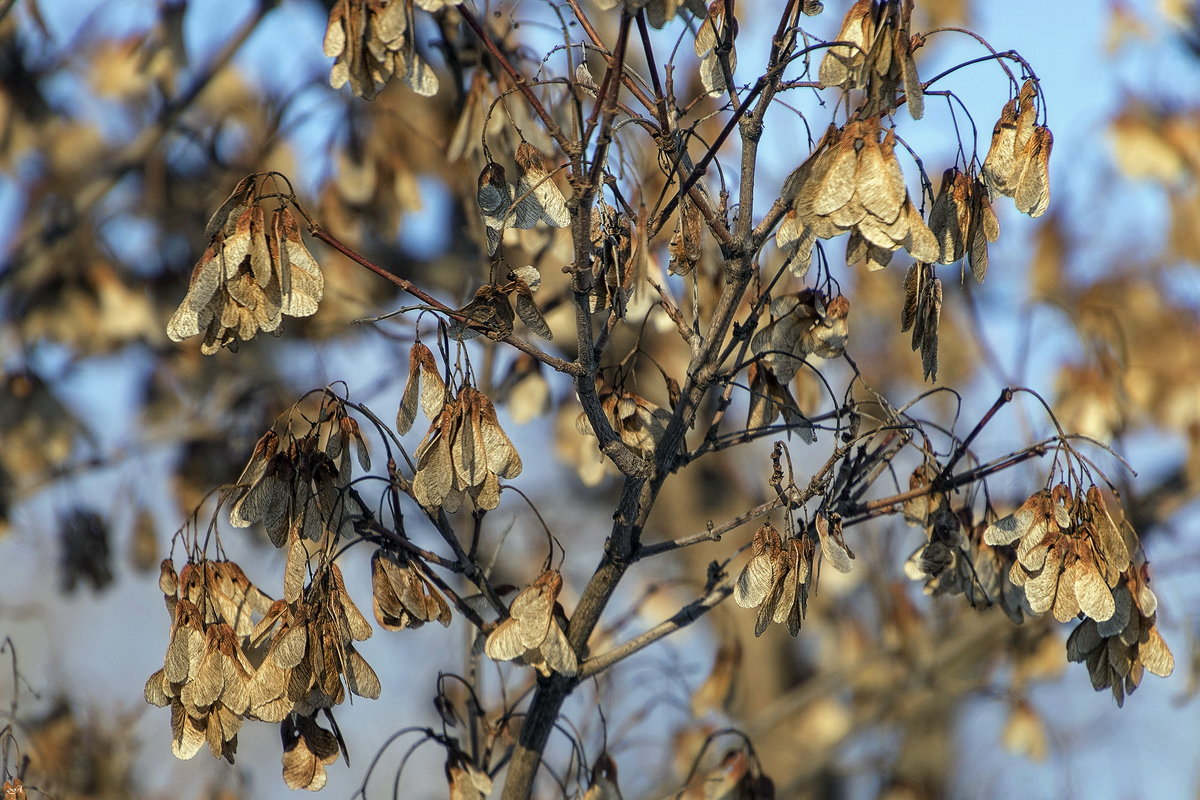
x=1154 y=653
x=842 y=64
x=187 y=732
x=307 y=750
x=833 y=547
x=1001 y=165
x=914 y=93
x=1032 y=191
x=542 y=201
x=529 y=619
x=984 y=228
x=528 y=311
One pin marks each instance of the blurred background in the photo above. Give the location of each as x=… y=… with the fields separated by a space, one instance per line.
x=124 y=125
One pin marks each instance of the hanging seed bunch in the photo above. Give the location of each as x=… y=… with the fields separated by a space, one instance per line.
x=922 y=312
x=802 y=324
x=853 y=183
x=954 y=559
x=373 y=40
x=206 y=678
x=534 y=199
x=490 y=312
x=639 y=423
x=466 y=452
x=254 y=272
x=613 y=269
x=404 y=596
x=295 y=486
x=532 y=632
x=1018 y=161
x=310 y=660
x=1073 y=559
x=963 y=222
x=776 y=579
x=879 y=56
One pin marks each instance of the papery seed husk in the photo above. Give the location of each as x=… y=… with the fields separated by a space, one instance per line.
x=1095 y=598
x=1032 y=190
x=834 y=551
x=529 y=313
x=359 y=628
x=1083 y=641
x=914 y=93
x=557 y=653
x=530 y=617
x=880 y=184
x=1001 y=164
x=1066 y=601
x=1155 y=654
x=360 y=677
x=502 y=457
x=187 y=733
x=837 y=181
x=1041 y=588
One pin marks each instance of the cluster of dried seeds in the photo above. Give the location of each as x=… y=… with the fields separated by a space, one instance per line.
x=878 y=56
x=535 y=198
x=207 y=676
x=309 y=647
x=954 y=559
x=963 y=222
x=404 y=597
x=639 y=423
x=1121 y=649
x=776 y=579
x=1018 y=161
x=372 y=40
x=296 y=486
x=250 y=275
x=223 y=667
x=307 y=750
x=922 y=311
x=853 y=183
x=802 y=324
x=465 y=453
x=532 y=632
x=1072 y=559
x=612 y=249
x=490 y=311
x=1070 y=553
